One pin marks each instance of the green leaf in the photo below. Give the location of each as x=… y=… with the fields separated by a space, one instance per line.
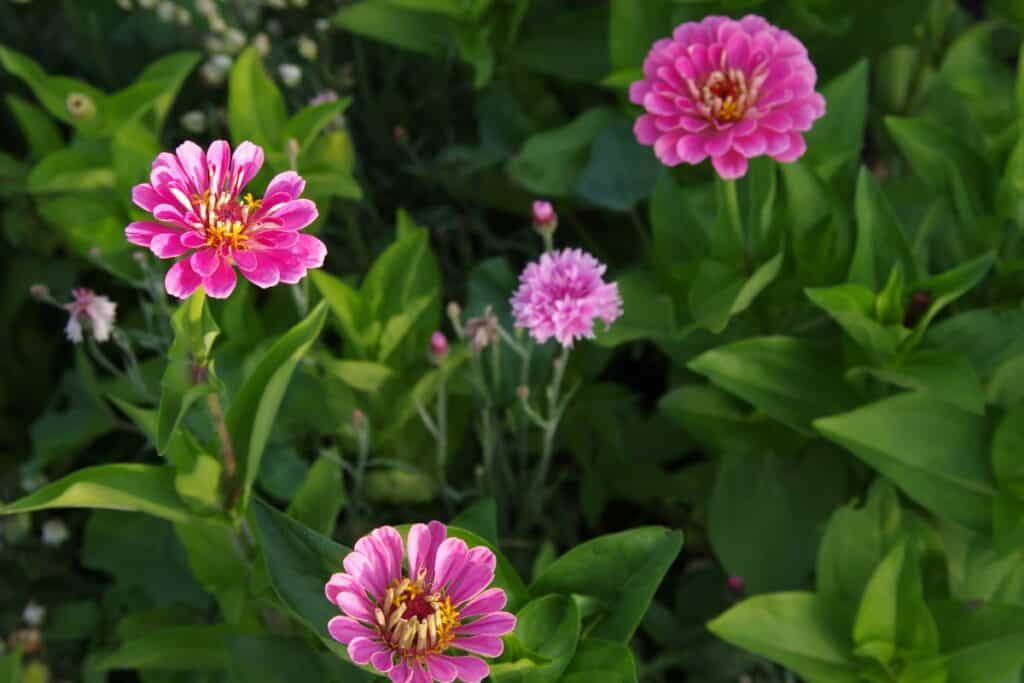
x=250 y=417
x=256 y=110
x=218 y=562
x=41 y=134
x=836 y=139
x=273 y=658
x=620 y=172
x=349 y=309
x=782 y=502
x=481 y=518
x=321 y=496
x=797 y=630
x=1010 y=194
x=633 y=27
x=892 y=616
x=569 y=42
x=595 y=658
x=1008 y=452
x=549 y=629
x=184 y=648
x=1008 y=523
x=550 y=162
x=988 y=337
x=881 y=240
x=647 y=312
x=944 y=467
x=621 y=571
x=773 y=373
x=398 y=327
x=424 y=32
x=947 y=287
x=299 y=562
x=70 y=170
x=123 y=486
x=721 y=291
x=362 y=375
x=981 y=642
x=307 y=123
x=168 y=73
x=852 y=306
x=943 y=376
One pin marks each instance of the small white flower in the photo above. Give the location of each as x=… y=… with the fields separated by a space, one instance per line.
x=126 y=5
x=290 y=74
x=194 y=121
x=300 y=3
x=166 y=11
x=147 y=4
x=234 y=40
x=307 y=48
x=33 y=482
x=183 y=16
x=206 y=7
x=92 y=310
x=217 y=24
x=261 y=41
x=55 y=532
x=34 y=614
x=215 y=70
x=322 y=25
x=277 y=4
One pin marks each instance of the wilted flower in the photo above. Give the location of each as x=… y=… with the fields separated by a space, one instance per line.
x=92 y=311
x=196 y=196
x=438 y=347
x=55 y=532
x=307 y=48
x=34 y=614
x=194 y=121
x=40 y=292
x=545 y=220
x=405 y=621
x=482 y=331
x=562 y=294
x=727 y=89
x=290 y=74
x=80 y=106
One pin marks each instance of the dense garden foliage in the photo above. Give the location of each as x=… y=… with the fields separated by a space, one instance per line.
x=593 y=341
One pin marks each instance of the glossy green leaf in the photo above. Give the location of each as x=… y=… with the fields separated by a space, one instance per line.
x=218 y=562
x=881 y=239
x=124 y=486
x=621 y=571
x=837 y=138
x=721 y=291
x=256 y=110
x=620 y=172
x=481 y=518
x=797 y=630
x=944 y=467
x=307 y=123
x=981 y=642
x=250 y=417
x=988 y=337
x=853 y=306
x=361 y=375
x=597 y=658
x=53 y=91
x=70 y=170
x=184 y=648
x=548 y=628
x=348 y=308
x=647 y=312
x=947 y=287
x=321 y=496
x=943 y=376
x=1008 y=452
x=773 y=373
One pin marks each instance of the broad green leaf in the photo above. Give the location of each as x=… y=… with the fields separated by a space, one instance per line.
x=267 y=658
x=250 y=417
x=782 y=502
x=321 y=496
x=677 y=235
x=218 y=563
x=424 y=32
x=184 y=648
x=620 y=172
x=299 y=562
x=943 y=376
x=773 y=374
x=481 y=518
x=620 y=571
x=981 y=642
x=348 y=307
x=169 y=73
x=988 y=337
x=595 y=658
x=362 y=375
x=198 y=476
x=797 y=630
x=1010 y=196
x=70 y=170
x=570 y=42
x=947 y=287
x=398 y=327
x=1008 y=523
x=853 y=306
x=123 y=486
x=721 y=291
x=836 y=139
x=549 y=629
x=944 y=467
x=41 y=134
x=633 y=27
x=647 y=312
x=550 y=162
x=881 y=240
x=819 y=225
x=307 y=123
x=892 y=617
x=256 y=110
x=1008 y=452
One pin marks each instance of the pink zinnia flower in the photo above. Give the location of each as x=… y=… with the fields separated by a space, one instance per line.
x=405 y=620
x=727 y=89
x=90 y=310
x=196 y=197
x=561 y=295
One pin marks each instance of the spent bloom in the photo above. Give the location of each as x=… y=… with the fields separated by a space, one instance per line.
x=482 y=331
x=562 y=294
x=729 y=90
x=197 y=198
x=92 y=311
x=405 y=620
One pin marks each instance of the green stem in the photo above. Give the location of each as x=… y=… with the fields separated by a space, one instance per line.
x=549 y=240
x=732 y=207
x=442 y=436
x=549 y=431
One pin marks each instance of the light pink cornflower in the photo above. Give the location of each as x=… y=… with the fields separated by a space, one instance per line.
x=197 y=198
x=405 y=620
x=562 y=294
x=89 y=310
x=729 y=90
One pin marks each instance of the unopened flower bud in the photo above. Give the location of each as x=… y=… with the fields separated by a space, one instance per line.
x=735 y=584
x=523 y=392
x=80 y=106
x=545 y=220
x=34 y=614
x=55 y=532
x=919 y=303
x=438 y=347
x=307 y=48
x=358 y=420
x=290 y=74
x=454 y=311
x=95 y=252
x=39 y=292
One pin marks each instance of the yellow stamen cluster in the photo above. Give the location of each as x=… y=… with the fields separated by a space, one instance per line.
x=417 y=635
x=224 y=219
x=230 y=233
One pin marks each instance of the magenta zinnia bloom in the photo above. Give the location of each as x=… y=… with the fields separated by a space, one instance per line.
x=729 y=90
x=196 y=197
x=405 y=620
x=561 y=295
